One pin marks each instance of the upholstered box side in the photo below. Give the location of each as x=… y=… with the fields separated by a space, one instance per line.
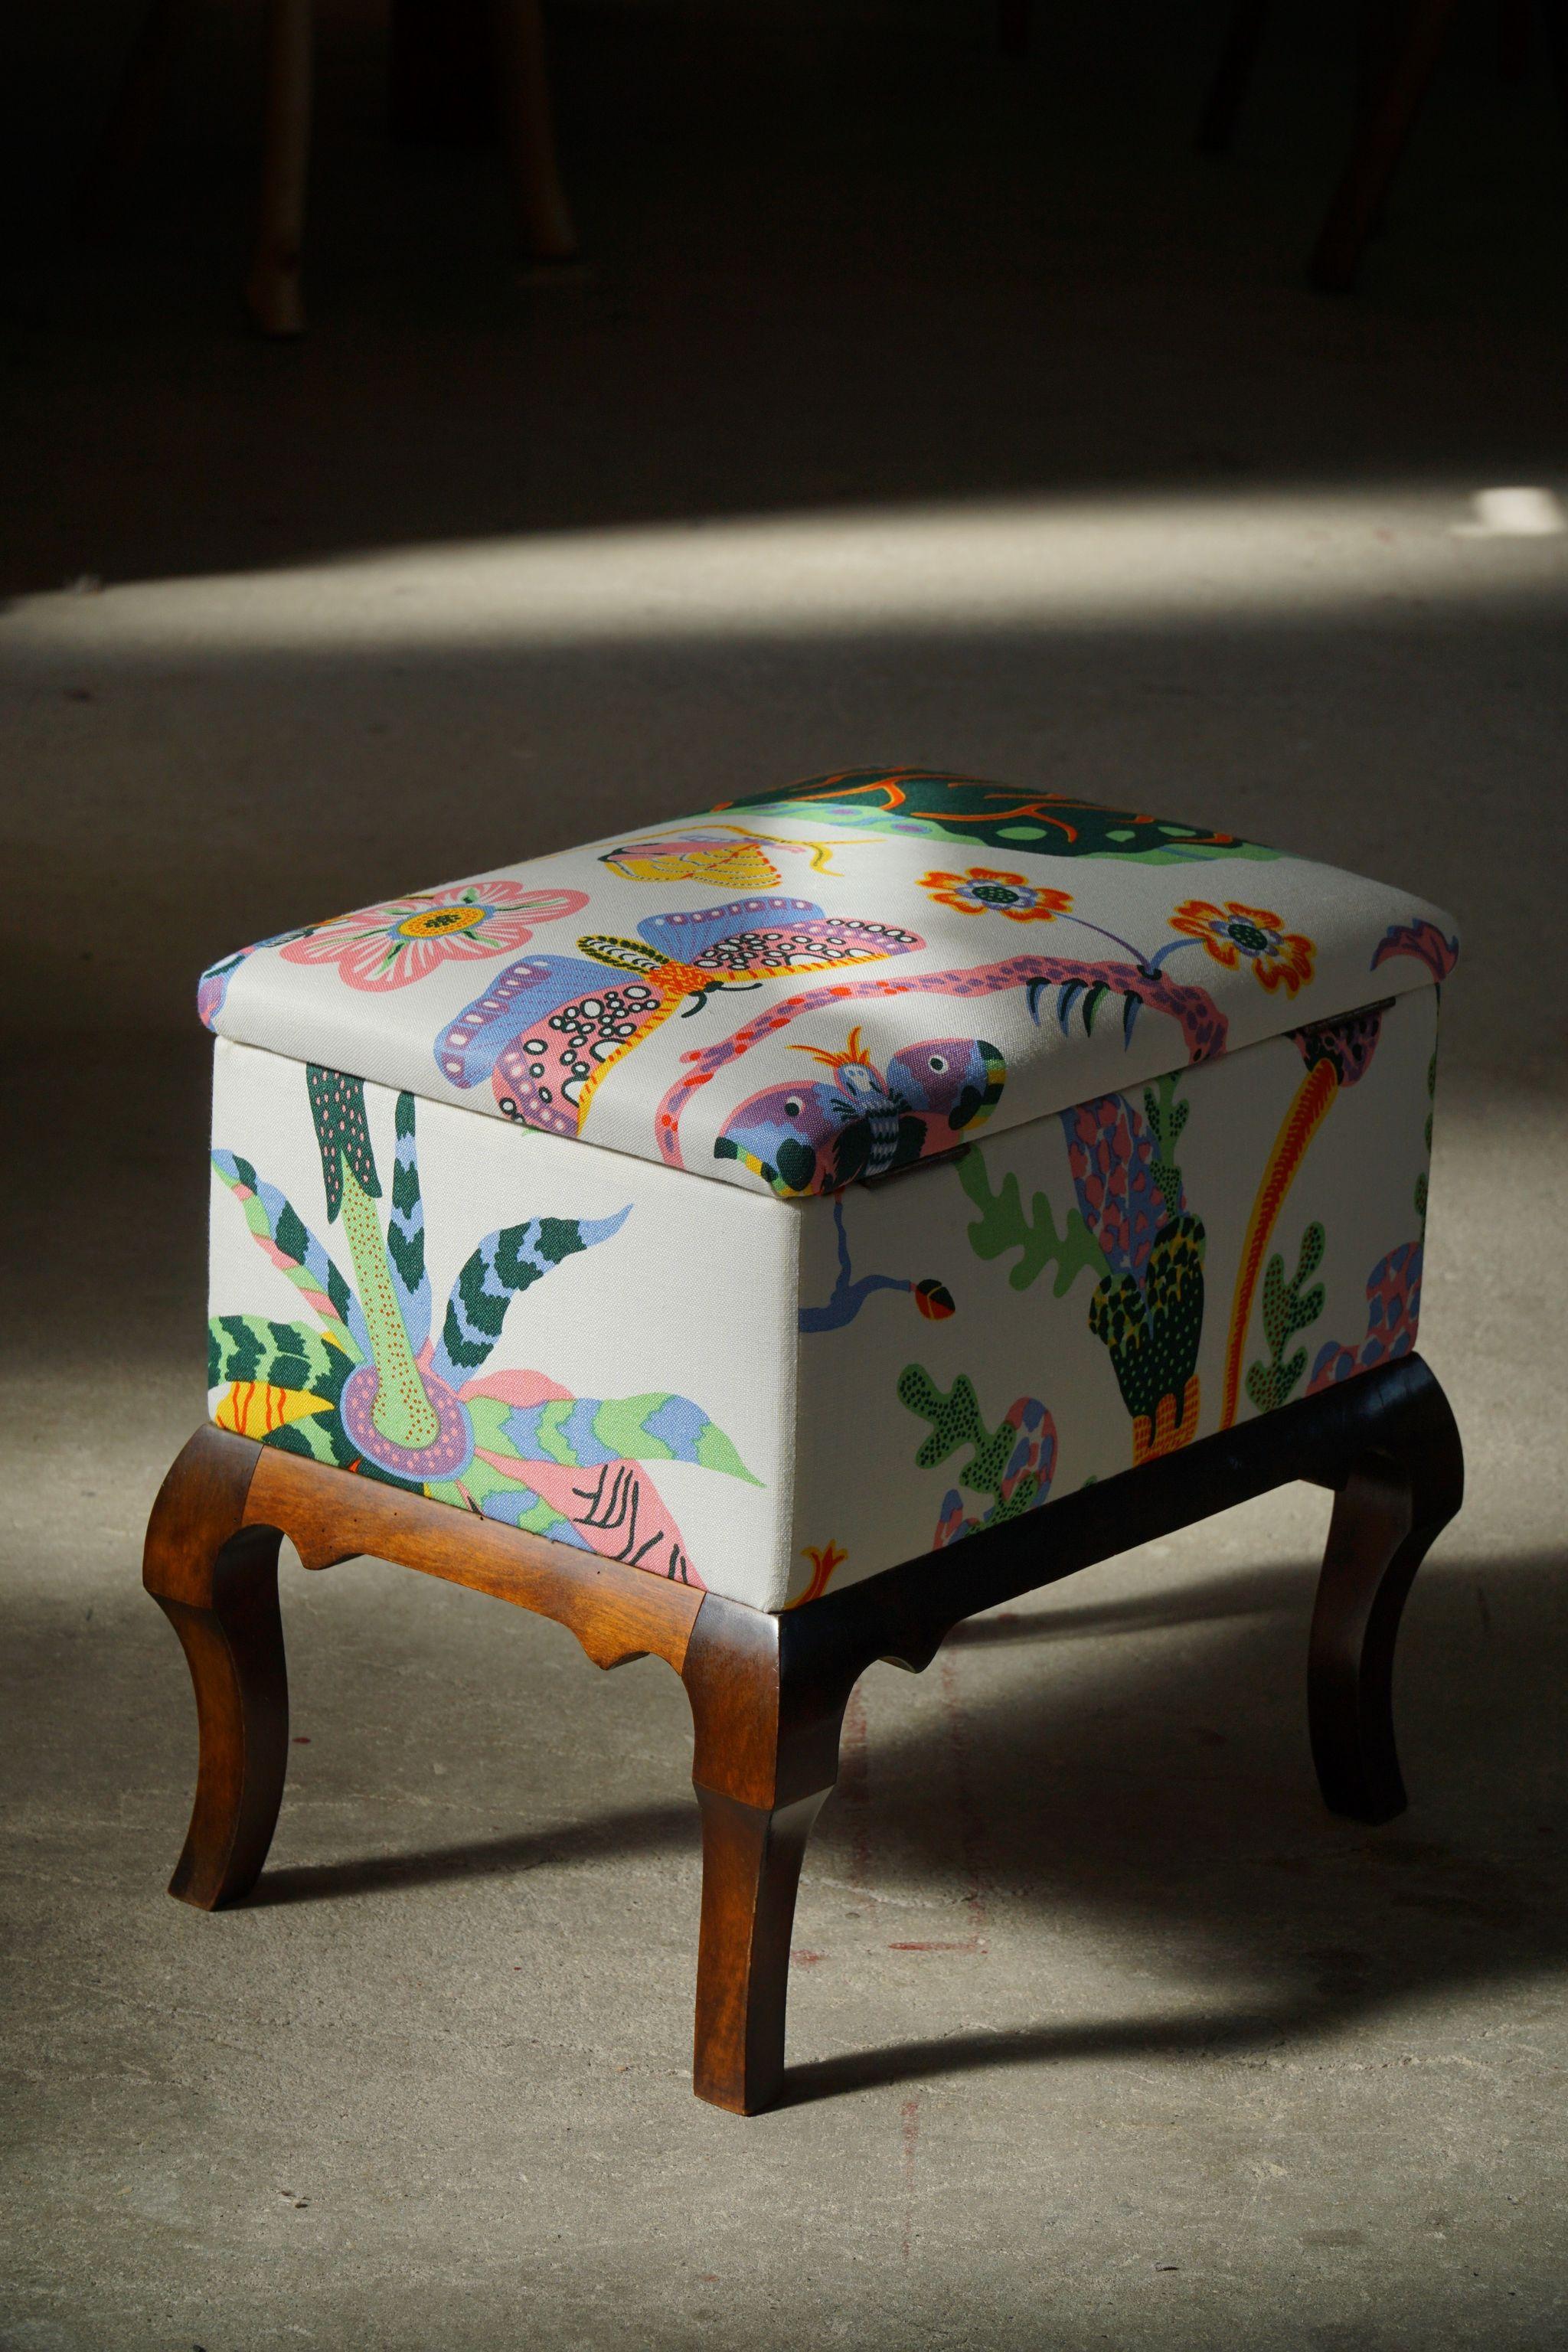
x=621 y=1338
x=1092 y=1261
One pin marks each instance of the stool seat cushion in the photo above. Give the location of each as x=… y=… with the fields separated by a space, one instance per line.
x=991 y=1220
x=793 y=992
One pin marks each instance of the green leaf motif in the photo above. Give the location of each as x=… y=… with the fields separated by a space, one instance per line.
x=405 y=1228
x=282 y=1355
x=319 y=1437
x=1166 y=1118
x=583 y=1432
x=1004 y=1224
x=276 y=1226
x=342 y=1133
x=505 y=1264
x=956 y=1420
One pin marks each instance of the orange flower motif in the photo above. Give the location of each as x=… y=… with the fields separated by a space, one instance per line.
x=990 y=890
x=1279 y=959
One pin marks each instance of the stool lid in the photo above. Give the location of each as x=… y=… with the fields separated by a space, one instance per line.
x=834 y=983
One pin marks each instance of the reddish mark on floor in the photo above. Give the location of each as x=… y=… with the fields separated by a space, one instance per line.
x=910 y=2125
x=807 y=1959
x=970 y=1944
x=970 y=1828
x=974 y=1628
x=301 y=1739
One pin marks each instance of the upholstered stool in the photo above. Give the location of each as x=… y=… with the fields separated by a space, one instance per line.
x=765 y=1243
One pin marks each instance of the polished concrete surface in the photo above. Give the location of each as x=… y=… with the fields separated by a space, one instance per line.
x=917 y=406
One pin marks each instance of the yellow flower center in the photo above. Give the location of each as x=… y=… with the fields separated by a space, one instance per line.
x=438 y=922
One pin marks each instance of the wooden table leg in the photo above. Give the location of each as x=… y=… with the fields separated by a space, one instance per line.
x=1379 y=141
x=545 y=224
x=273 y=290
x=134 y=117
x=1233 y=77
x=216 y=1581
x=1395 y=1501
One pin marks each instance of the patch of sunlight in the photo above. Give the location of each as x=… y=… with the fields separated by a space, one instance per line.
x=1521 y=512
x=1268 y=558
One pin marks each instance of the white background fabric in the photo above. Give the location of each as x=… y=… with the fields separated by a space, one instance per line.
x=699 y=1292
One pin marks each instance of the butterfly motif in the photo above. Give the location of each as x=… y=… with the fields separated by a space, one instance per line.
x=861 y=1122
x=551 y=1027
x=730 y=854
x=711 y=857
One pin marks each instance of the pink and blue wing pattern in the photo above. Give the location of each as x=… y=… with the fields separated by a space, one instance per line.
x=542 y=1031
x=799 y=938
x=689 y=934
x=549 y=1027
x=527 y=992
x=821 y=944
x=543 y=1073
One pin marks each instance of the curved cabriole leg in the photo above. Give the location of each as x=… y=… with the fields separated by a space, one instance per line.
x=273 y=289
x=523 y=83
x=1398 y=1497
x=751 y=1873
x=216 y=1581
x=767 y=1702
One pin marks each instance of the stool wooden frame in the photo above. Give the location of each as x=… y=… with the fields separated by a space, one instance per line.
x=768 y=1693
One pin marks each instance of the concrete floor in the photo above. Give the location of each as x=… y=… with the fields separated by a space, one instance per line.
x=918 y=407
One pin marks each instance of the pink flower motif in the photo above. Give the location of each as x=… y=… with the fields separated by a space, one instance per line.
x=404 y=939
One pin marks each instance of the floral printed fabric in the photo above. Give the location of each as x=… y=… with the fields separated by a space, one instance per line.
x=776 y=1394
x=951 y=953
x=404 y=939
x=518 y=1327
x=1234 y=934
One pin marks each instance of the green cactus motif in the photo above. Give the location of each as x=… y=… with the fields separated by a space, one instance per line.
x=1151 y=1326
x=1288 y=1307
x=1004 y=1224
x=1166 y=1118
x=402 y=1409
x=956 y=1420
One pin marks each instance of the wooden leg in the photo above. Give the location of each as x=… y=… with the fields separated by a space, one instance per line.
x=273 y=291
x=545 y=224
x=768 y=1693
x=767 y=1700
x=1396 y=1500
x=134 y=117
x=1233 y=77
x=216 y=1581
x=750 y=1871
x=1014 y=26
x=1379 y=141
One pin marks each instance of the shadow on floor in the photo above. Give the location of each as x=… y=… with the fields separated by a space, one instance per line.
x=1165 y=1797
x=1156 y=1793
x=638 y=1830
